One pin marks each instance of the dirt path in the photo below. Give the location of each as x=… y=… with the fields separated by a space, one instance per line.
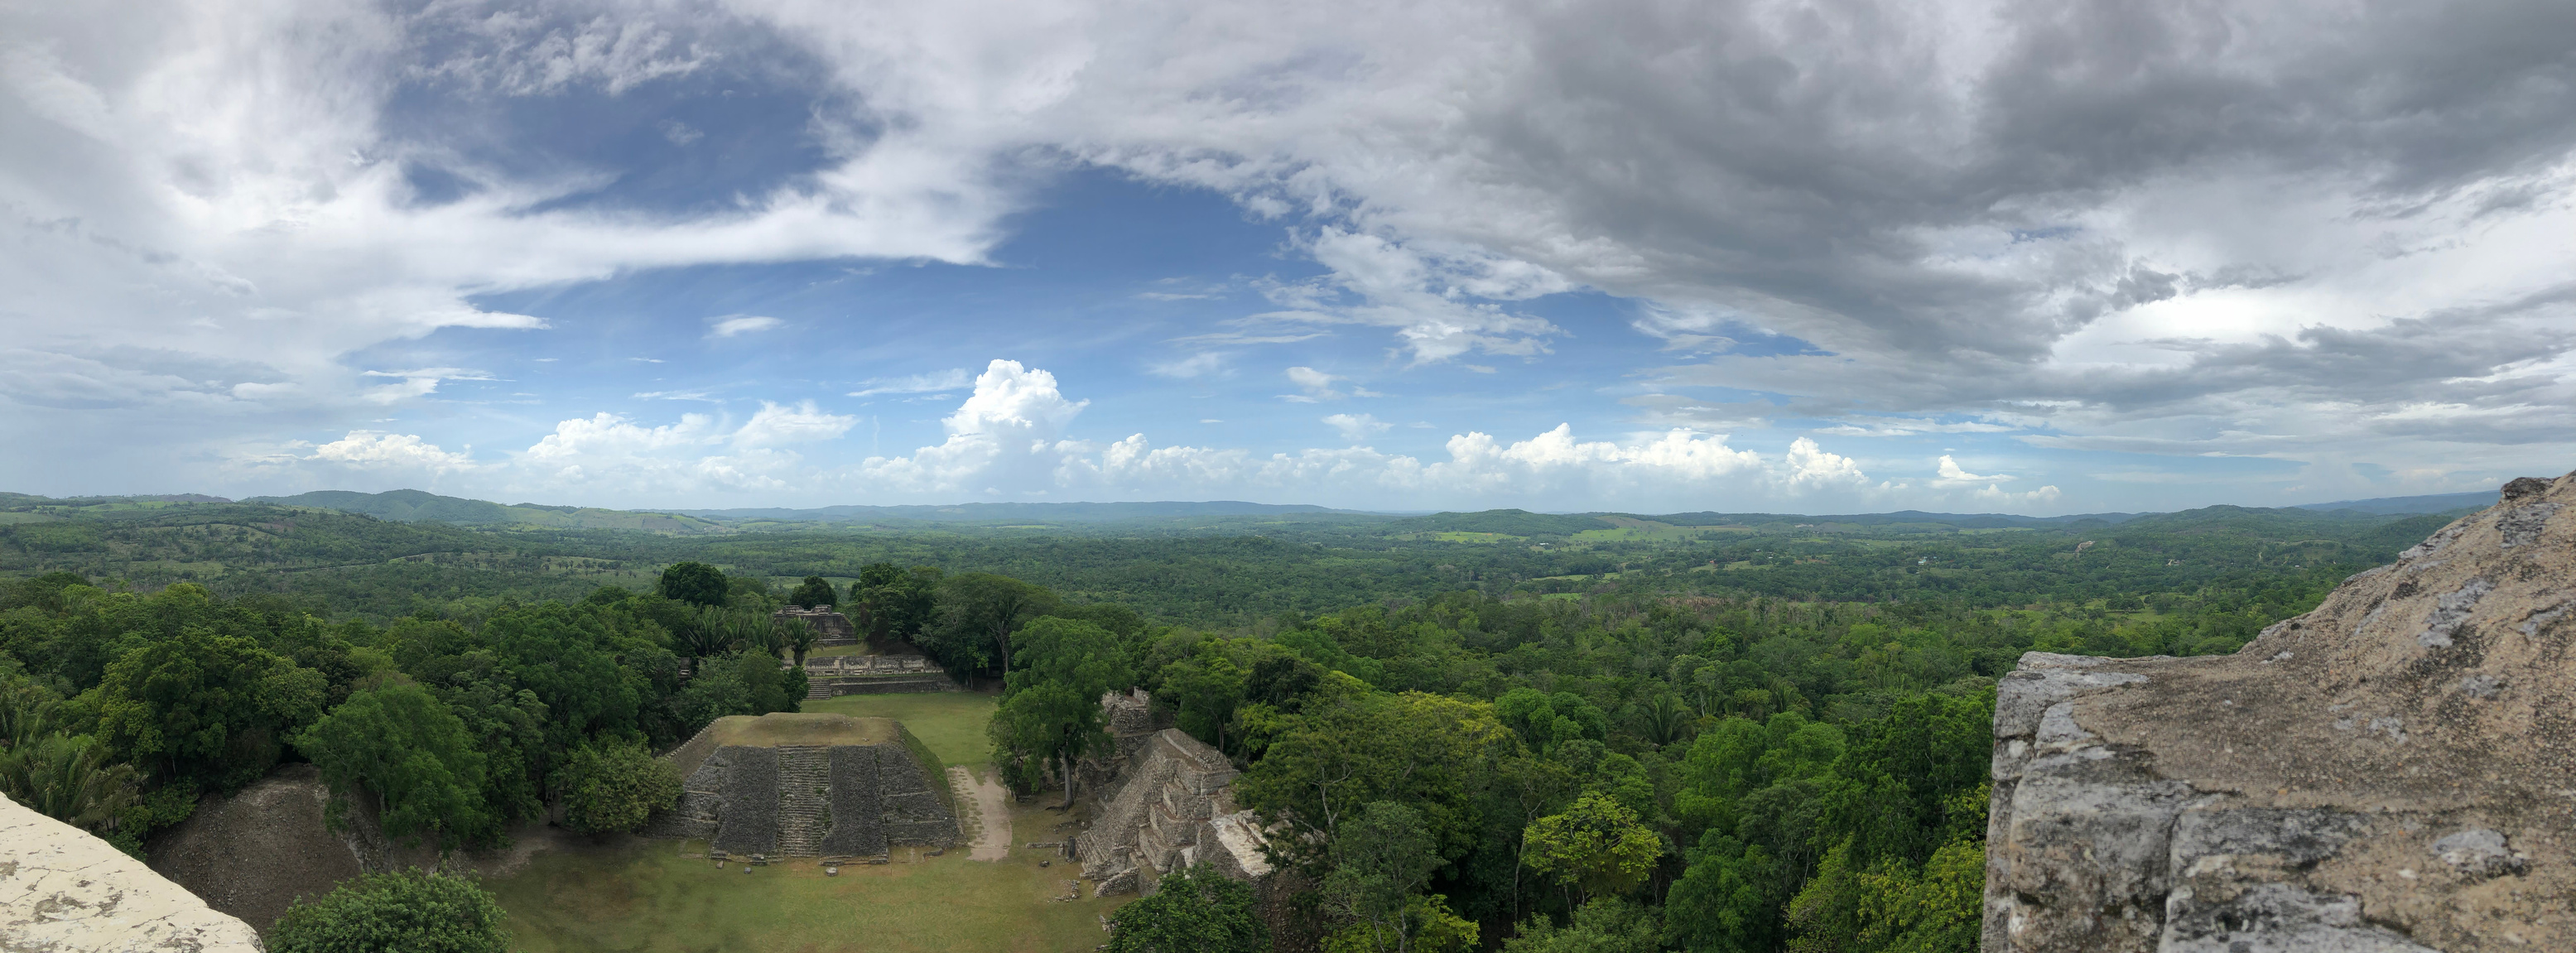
x=991 y=827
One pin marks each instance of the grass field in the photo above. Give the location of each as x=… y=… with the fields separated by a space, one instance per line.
x=951 y=723
x=645 y=896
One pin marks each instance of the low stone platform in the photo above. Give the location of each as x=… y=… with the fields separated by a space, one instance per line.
x=788 y=784
x=834 y=676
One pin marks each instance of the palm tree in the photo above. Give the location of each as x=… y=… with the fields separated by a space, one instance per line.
x=709 y=632
x=68 y=779
x=753 y=632
x=799 y=636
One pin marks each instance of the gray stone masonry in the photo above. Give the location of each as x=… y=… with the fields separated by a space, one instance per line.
x=2394 y=772
x=808 y=801
x=804 y=800
x=747 y=823
x=858 y=818
x=1171 y=807
x=834 y=627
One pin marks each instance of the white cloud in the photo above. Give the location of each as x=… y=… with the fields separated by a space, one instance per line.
x=732 y=325
x=1002 y=439
x=1953 y=475
x=775 y=425
x=1202 y=364
x=916 y=384
x=1356 y=427
x=374 y=450
x=1318 y=386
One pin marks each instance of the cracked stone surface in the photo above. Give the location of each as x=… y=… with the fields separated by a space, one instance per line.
x=62 y=890
x=2394 y=772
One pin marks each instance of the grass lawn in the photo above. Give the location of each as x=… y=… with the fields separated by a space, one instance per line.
x=644 y=896
x=951 y=723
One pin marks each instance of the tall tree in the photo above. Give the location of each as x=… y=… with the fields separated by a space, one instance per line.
x=979 y=611
x=615 y=786
x=200 y=706
x=1051 y=702
x=799 y=637
x=1598 y=847
x=814 y=591
x=695 y=582
x=410 y=751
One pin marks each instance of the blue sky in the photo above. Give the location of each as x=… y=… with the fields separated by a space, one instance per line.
x=1444 y=257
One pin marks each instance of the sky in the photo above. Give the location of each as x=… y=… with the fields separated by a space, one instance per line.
x=1834 y=256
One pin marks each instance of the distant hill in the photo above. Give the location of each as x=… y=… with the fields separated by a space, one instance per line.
x=1020 y=512
x=415 y=506
x=2395 y=505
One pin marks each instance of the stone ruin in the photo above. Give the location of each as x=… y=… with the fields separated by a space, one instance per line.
x=1168 y=807
x=833 y=628
x=63 y=889
x=836 y=675
x=752 y=792
x=2394 y=772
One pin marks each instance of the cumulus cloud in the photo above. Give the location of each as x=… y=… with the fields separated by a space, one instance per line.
x=1953 y=475
x=1012 y=439
x=1003 y=438
x=376 y=450
x=2167 y=228
x=1357 y=427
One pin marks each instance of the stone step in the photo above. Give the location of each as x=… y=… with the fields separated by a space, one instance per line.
x=804 y=799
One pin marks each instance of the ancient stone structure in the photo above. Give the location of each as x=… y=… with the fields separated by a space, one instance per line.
x=64 y=891
x=2394 y=772
x=837 y=675
x=1170 y=809
x=834 y=627
x=791 y=785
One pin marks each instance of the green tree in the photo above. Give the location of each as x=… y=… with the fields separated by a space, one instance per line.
x=1192 y=911
x=799 y=636
x=978 y=614
x=814 y=591
x=1597 y=847
x=1350 y=747
x=413 y=754
x=204 y=706
x=1608 y=925
x=1729 y=900
x=709 y=631
x=1381 y=857
x=406 y=912
x=1051 y=702
x=615 y=787
x=695 y=582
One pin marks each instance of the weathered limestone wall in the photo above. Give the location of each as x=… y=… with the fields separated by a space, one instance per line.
x=62 y=890
x=2394 y=772
x=1169 y=807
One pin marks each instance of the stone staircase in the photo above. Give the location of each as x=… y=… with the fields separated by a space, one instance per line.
x=804 y=799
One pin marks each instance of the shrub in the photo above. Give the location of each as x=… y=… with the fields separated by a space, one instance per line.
x=408 y=912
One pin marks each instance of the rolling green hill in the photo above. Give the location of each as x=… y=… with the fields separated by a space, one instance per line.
x=414 y=506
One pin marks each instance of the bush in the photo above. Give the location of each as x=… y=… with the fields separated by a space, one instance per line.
x=615 y=787
x=1194 y=910
x=407 y=912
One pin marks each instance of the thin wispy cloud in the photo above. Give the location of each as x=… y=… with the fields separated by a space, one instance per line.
x=947 y=380
x=741 y=324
